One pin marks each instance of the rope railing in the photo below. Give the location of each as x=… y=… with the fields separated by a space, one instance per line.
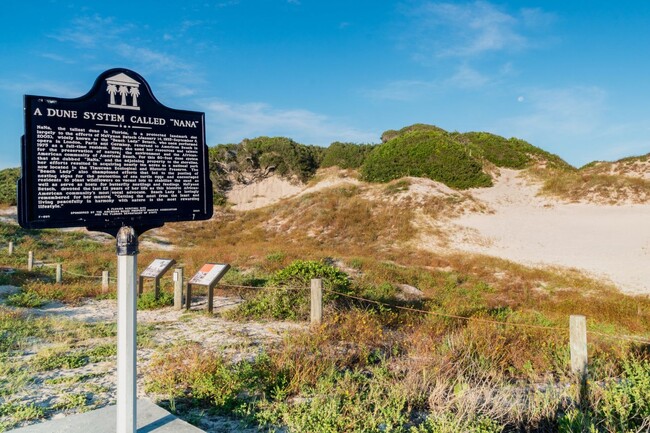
x=630 y=338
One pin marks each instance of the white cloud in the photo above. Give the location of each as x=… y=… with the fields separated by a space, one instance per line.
x=402 y=90
x=30 y=86
x=572 y=111
x=232 y=122
x=91 y=31
x=58 y=58
x=155 y=60
x=466 y=77
x=467 y=30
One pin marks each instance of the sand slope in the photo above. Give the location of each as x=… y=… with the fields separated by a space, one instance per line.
x=612 y=242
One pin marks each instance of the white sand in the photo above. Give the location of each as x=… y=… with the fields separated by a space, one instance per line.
x=612 y=242
x=262 y=193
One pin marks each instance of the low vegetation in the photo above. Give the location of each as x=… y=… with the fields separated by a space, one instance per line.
x=585 y=185
x=421 y=153
x=8 y=179
x=483 y=347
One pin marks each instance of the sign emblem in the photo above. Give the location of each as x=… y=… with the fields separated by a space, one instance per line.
x=124 y=86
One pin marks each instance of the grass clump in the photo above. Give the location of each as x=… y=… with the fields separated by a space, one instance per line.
x=580 y=185
x=72 y=401
x=19 y=412
x=189 y=374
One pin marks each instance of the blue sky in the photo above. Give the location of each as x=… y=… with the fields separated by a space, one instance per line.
x=572 y=77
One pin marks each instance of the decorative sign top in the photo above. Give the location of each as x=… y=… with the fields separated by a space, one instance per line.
x=114 y=157
x=209 y=274
x=157 y=268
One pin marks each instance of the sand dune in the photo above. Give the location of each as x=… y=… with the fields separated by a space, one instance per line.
x=611 y=242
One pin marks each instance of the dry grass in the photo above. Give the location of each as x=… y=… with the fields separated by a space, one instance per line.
x=585 y=185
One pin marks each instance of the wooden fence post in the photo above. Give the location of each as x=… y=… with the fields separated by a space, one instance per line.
x=178 y=289
x=30 y=261
x=316 y=301
x=105 y=280
x=578 y=341
x=11 y=248
x=59 y=273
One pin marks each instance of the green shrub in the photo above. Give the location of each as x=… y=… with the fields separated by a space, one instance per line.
x=345 y=155
x=26 y=299
x=449 y=423
x=391 y=133
x=8 y=187
x=287 y=294
x=207 y=379
x=349 y=401
x=625 y=404
x=425 y=153
x=286 y=157
x=300 y=273
x=498 y=150
x=148 y=301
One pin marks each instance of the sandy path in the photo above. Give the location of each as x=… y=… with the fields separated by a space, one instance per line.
x=611 y=242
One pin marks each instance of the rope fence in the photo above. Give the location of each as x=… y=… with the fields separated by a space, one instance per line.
x=577 y=330
x=631 y=338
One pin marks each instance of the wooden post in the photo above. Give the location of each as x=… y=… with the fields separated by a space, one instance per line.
x=188 y=301
x=30 y=261
x=578 y=341
x=11 y=248
x=140 y=285
x=59 y=273
x=105 y=281
x=316 y=301
x=178 y=288
x=210 y=298
x=156 y=288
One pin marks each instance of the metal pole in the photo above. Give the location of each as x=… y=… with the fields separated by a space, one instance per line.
x=127 y=267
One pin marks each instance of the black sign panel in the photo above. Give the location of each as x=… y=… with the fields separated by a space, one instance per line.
x=114 y=157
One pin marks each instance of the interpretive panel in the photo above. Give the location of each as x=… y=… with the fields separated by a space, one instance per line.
x=209 y=274
x=113 y=157
x=157 y=268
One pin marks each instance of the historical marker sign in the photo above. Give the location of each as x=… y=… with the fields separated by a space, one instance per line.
x=114 y=157
x=209 y=274
x=157 y=268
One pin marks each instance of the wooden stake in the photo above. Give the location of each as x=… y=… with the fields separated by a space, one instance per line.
x=578 y=341
x=105 y=282
x=178 y=288
x=316 y=301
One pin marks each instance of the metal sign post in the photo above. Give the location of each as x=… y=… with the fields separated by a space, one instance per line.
x=127 y=269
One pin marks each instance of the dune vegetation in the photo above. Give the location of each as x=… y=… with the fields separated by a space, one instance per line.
x=411 y=341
